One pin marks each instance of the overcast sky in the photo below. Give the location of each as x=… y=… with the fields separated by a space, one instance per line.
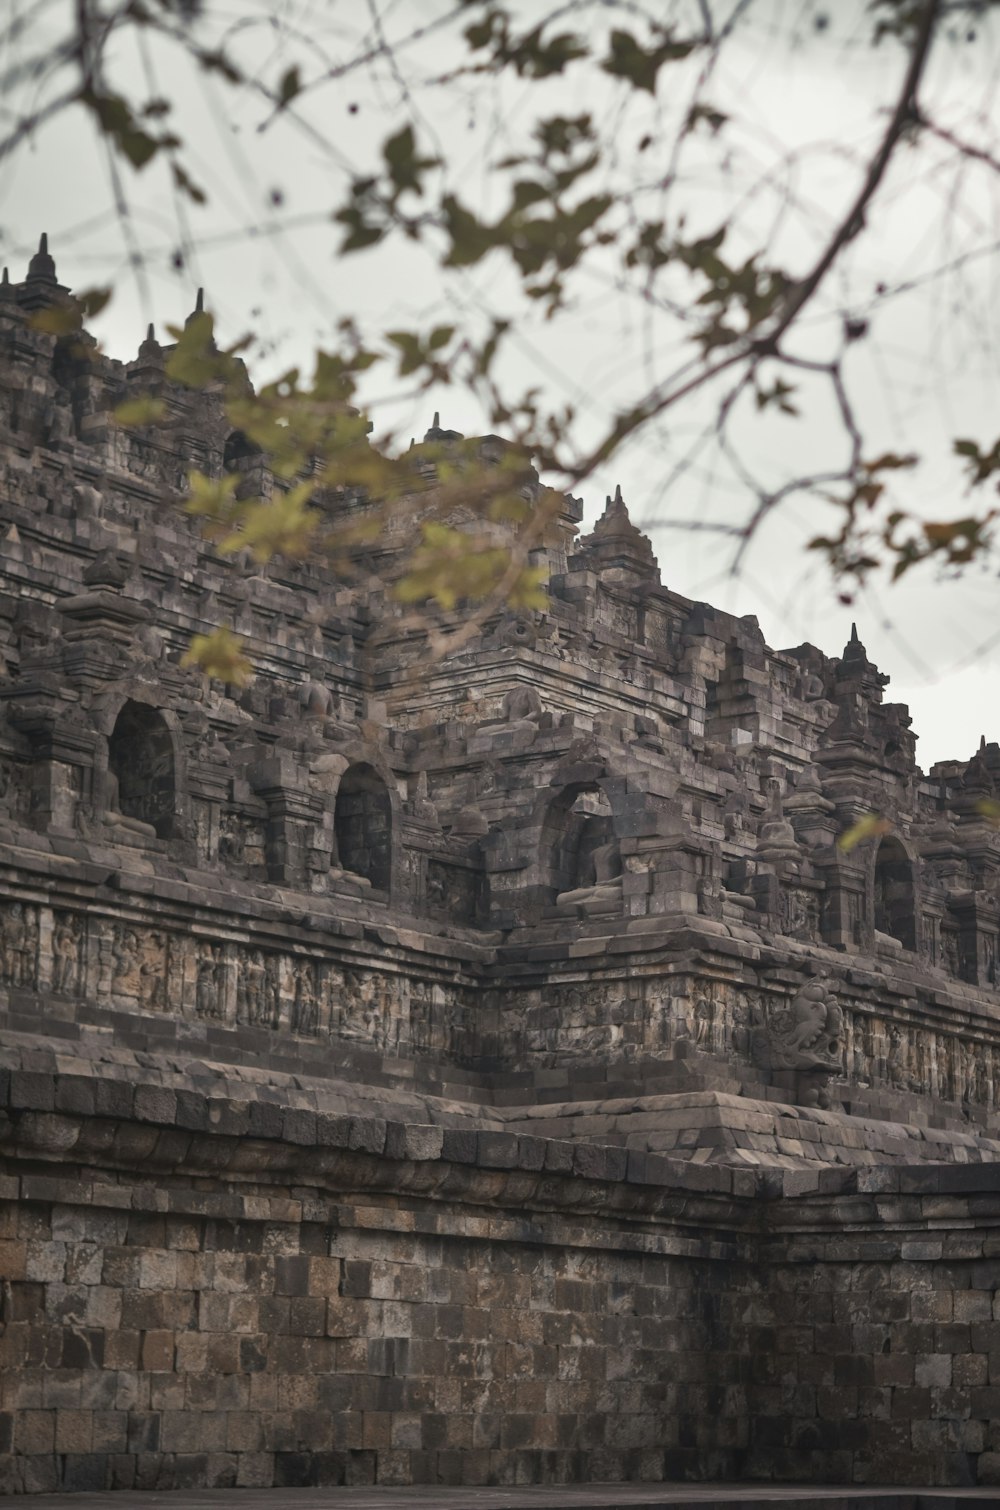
x=807 y=104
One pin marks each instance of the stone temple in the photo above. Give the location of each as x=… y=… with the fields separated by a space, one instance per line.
x=475 y=1070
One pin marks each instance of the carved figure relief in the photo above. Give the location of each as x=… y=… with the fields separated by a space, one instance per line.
x=19 y=945
x=66 y=941
x=153 y=971
x=209 y=1000
x=452 y=889
x=801 y=912
x=251 y=990
x=304 y=1004
x=241 y=840
x=12 y=794
x=125 y=979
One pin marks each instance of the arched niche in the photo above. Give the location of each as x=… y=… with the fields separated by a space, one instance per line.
x=142 y=767
x=238 y=452
x=578 y=846
x=895 y=893
x=362 y=825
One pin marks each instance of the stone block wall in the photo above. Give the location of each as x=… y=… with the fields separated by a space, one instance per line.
x=436 y=1304
x=879 y=1361
x=490 y=1309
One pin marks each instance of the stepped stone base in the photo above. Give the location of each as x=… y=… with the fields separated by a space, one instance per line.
x=713 y=1127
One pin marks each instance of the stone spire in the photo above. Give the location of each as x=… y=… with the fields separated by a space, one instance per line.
x=149 y=357
x=436 y=433
x=41 y=287
x=857 y=671
x=6 y=290
x=199 y=307
x=42 y=268
x=616 y=543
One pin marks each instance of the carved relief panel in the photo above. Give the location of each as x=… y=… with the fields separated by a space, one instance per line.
x=19 y=945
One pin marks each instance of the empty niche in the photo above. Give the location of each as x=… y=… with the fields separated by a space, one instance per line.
x=141 y=763
x=895 y=898
x=362 y=825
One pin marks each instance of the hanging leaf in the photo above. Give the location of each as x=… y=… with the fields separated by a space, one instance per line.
x=290 y=86
x=68 y=316
x=870 y=826
x=136 y=412
x=220 y=655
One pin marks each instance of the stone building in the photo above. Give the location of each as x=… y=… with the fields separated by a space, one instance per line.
x=485 y=1071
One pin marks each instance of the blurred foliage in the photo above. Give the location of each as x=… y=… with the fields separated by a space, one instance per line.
x=469 y=527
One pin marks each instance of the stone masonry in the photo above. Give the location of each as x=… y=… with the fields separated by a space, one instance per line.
x=479 y=1071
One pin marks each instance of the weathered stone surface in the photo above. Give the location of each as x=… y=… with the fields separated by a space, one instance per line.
x=488 y=1071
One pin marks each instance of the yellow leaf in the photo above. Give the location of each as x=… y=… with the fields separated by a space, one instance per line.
x=871 y=826
x=220 y=654
x=989 y=808
x=67 y=317
x=135 y=412
x=280 y=526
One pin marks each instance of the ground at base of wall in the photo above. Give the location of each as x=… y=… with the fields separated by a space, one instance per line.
x=579 y=1497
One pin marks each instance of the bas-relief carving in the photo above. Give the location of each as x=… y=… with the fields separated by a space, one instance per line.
x=67 y=945
x=256 y=1003
x=370 y=1010
x=19 y=945
x=800 y=912
x=452 y=889
x=13 y=789
x=137 y=967
x=304 y=1003
x=805 y=1037
x=210 y=1002
x=241 y=841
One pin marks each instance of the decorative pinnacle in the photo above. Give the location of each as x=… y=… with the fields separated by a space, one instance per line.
x=150 y=347
x=436 y=433
x=854 y=635
x=41 y=268
x=199 y=307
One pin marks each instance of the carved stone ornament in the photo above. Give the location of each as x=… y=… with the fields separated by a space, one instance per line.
x=806 y=1037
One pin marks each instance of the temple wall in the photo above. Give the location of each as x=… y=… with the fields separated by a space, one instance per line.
x=879 y=1361
x=389 y=1304
x=351 y=1300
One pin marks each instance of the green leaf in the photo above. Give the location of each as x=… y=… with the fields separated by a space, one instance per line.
x=290 y=86
x=278 y=526
x=470 y=238
x=195 y=361
x=404 y=166
x=187 y=185
x=708 y=116
x=68 y=316
x=629 y=60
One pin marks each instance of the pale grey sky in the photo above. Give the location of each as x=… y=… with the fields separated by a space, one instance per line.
x=806 y=110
